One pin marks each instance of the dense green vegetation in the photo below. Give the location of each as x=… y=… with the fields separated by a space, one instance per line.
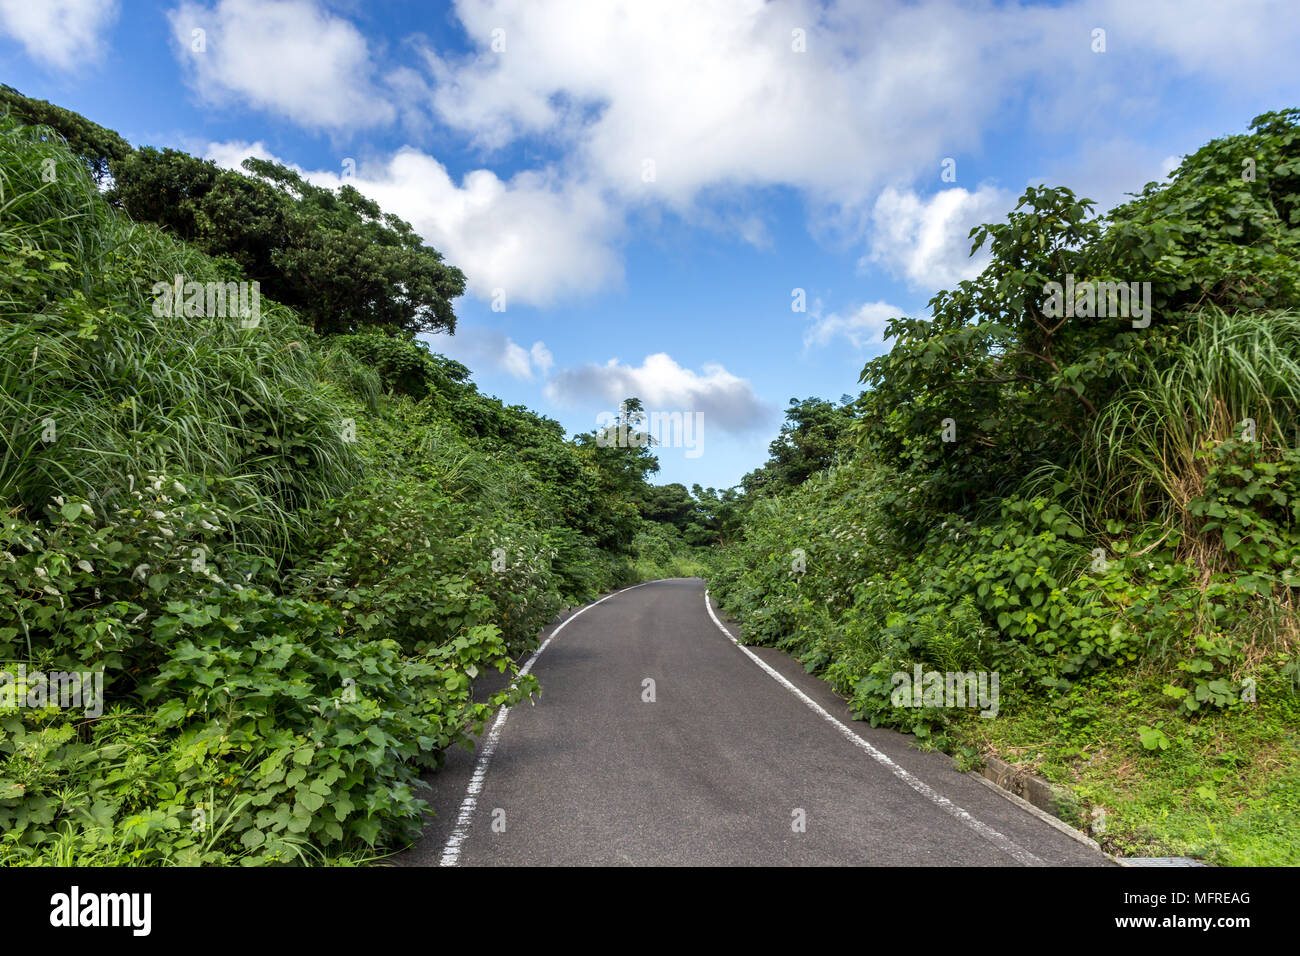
x=99 y=149
x=289 y=553
x=292 y=545
x=1103 y=510
x=335 y=257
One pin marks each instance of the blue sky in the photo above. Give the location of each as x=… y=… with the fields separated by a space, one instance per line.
x=642 y=186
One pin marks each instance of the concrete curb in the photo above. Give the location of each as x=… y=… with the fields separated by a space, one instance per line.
x=1046 y=796
x=1036 y=796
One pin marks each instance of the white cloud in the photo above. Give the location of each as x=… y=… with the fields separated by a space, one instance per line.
x=926 y=240
x=231 y=154
x=62 y=33
x=287 y=57
x=487 y=349
x=726 y=400
x=541 y=357
x=715 y=95
x=1249 y=45
x=863 y=327
x=515 y=360
x=536 y=239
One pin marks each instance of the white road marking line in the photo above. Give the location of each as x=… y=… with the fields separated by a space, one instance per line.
x=451 y=850
x=1003 y=843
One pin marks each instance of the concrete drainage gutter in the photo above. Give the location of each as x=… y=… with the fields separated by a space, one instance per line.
x=1045 y=796
x=1037 y=796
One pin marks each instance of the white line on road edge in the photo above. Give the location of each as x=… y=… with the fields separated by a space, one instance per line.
x=1003 y=843
x=451 y=850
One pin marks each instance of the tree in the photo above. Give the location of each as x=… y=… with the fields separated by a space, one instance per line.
x=333 y=255
x=812 y=433
x=720 y=515
x=671 y=504
x=99 y=148
x=999 y=383
x=619 y=464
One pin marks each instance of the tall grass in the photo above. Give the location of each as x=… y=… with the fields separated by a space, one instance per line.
x=1143 y=458
x=245 y=411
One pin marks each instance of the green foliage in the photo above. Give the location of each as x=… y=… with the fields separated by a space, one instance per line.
x=717 y=518
x=1234 y=375
x=1119 y=503
x=1224 y=789
x=100 y=150
x=333 y=256
x=1028 y=391
x=810 y=437
x=405 y=366
x=290 y=558
x=98 y=391
x=1251 y=505
x=1222 y=232
x=265 y=704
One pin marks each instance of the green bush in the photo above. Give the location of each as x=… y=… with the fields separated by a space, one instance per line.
x=1057 y=499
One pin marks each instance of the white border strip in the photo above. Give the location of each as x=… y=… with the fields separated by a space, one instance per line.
x=451 y=850
x=1003 y=843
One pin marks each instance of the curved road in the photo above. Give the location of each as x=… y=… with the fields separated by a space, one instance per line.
x=740 y=759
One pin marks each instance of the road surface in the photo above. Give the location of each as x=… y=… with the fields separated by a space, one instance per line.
x=731 y=756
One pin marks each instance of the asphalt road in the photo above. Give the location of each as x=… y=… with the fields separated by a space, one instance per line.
x=737 y=760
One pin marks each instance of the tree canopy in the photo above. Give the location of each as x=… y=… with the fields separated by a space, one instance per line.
x=333 y=255
x=99 y=148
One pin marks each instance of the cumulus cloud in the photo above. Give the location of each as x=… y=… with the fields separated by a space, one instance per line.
x=541 y=357
x=61 y=33
x=288 y=57
x=674 y=104
x=485 y=349
x=864 y=326
x=718 y=93
x=926 y=239
x=532 y=239
x=535 y=238
x=232 y=153
x=726 y=400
